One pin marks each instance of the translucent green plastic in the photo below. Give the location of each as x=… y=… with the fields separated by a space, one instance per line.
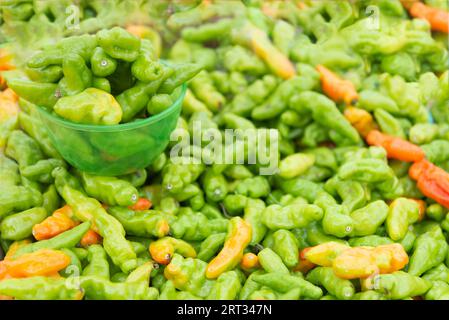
x=115 y=149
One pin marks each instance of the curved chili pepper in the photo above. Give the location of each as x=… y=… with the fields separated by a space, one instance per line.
x=337 y=89
x=438 y=19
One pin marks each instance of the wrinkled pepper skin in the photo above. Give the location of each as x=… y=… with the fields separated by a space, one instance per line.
x=110 y=190
x=290 y=216
x=141 y=223
x=114 y=242
x=401 y=214
x=430 y=249
x=398 y=285
x=162 y=250
x=323 y=276
x=119 y=44
x=19 y=226
x=98 y=264
x=226 y=287
x=40 y=288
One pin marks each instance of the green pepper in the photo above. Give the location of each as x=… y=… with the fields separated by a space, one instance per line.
x=369 y=241
x=110 y=190
x=101 y=84
x=92 y=106
x=74 y=268
x=41 y=170
x=40 y=288
x=204 y=89
x=112 y=231
x=369 y=218
x=286 y=246
x=226 y=287
x=32 y=125
x=389 y=124
x=436 y=212
x=98 y=265
x=67 y=239
x=316 y=235
x=215 y=186
x=175 y=176
x=430 y=250
x=102 y=64
x=373 y=100
x=402 y=213
x=438 y=291
x=145 y=68
x=295 y=165
x=211 y=245
x=283 y=282
x=18 y=198
x=291 y=216
x=438 y=273
x=183 y=73
x=50 y=199
x=41 y=94
x=256 y=187
x=253 y=215
x=18 y=226
x=23 y=149
x=119 y=44
x=194 y=226
x=337 y=221
x=9 y=172
x=399 y=285
x=324 y=276
x=353 y=193
x=77 y=76
x=368 y=295
x=325 y=112
x=189 y=274
x=49 y=74
x=97 y=288
x=271 y=262
x=436 y=151
x=159 y=103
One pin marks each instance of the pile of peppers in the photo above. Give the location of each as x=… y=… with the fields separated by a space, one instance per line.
x=356 y=210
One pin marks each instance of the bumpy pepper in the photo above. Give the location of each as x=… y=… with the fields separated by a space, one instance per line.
x=77 y=76
x=98 y=264
x=295 y=165
x=256 y=187
x=18 y=198
x=176 y=176
x=438 y=291
x=286 y=246
x=97 y=288
x=430 y=249
x=325 y=112
x=41 y=94
x=119 y=44
x=19 y=226
x=102 y=64
x=211 y=245
x=360 y=119
x=271 y=261
x=324 y=276
x=389 y=124
x=239 y=236
x=369 y=218
x=402 y=213
x=253 y=216
x=91 y=106
x=41 y=170
x=283 y=282
x=23 y=149
x=183 y=73
x=397 y=285
x=189 y=274
x=194 y=226
x=324 y=254
x=114 y=242
x=226 y=287
x=205 y=90
x=110 y=190
x=291 y=216
x=163 y=249
x=40 y=288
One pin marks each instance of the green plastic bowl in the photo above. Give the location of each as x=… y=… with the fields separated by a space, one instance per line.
x=114 y=149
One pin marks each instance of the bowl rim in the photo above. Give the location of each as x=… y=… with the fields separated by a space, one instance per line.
x=117 y=127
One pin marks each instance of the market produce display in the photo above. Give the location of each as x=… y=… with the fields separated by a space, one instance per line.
x=354 y=208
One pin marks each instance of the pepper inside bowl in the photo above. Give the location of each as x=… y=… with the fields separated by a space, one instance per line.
x=111 y=150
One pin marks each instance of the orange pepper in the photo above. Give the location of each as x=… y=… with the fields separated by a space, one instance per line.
x=57 y=223
x=14 y=247
x=304 y=265
x=232 y=251
x=162 y=250
x=390 y=257
x=89 y=238
x=141 y=204
x=324 y=254
x=43 y=262
x=360 y=119
x=432 y=181
x=437 y=18
x=339 y=90
x=249 y=261
x=396 y=148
